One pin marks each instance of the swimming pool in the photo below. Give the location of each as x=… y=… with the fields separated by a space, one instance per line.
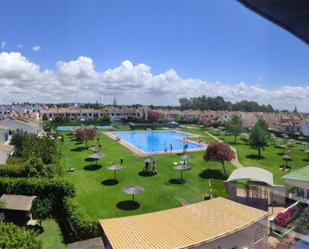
x=71 y=128
x=158 y=141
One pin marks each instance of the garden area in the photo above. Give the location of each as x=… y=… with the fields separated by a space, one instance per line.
x=159 y=193
x=272 y=154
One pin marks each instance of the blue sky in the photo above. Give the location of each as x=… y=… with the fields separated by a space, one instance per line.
x=210 y=40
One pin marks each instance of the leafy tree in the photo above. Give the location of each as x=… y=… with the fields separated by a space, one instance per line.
x=18 y=139
x=218 y=103
x=205 y=122
x=220 y=152
x=85 y=134
x=42 y=209
x=90 y=134
x=262 y=124
x=1 y=204
x=12 y=236
x=153 y=116
x=34 y=167
x=42 y=147
x=258 y=137
x=235 y=126
x=79 y=135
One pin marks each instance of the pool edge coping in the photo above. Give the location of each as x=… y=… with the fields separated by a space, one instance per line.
x=142 y=153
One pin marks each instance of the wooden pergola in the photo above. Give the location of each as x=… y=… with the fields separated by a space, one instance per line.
x=17 y=207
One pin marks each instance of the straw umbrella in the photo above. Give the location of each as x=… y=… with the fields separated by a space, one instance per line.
x=181 y=168
x=96 y=157
x=114 y=168
x=95 y=149
x=133 y=190
x=148 y=160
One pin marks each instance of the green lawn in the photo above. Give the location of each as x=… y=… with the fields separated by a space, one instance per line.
x=100 y=200
x=52 y=236
x=271 y=156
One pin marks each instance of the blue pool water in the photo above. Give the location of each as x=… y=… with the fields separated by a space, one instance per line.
x=156 y=141
x=71 y=128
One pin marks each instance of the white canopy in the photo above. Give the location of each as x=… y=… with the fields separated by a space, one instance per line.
x=252 y=173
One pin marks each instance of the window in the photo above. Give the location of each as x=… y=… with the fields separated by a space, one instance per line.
x=258 y=234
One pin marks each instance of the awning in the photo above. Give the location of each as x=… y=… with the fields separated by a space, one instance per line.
x=252 y=173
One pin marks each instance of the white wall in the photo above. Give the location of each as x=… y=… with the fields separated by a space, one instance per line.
x=304 y=127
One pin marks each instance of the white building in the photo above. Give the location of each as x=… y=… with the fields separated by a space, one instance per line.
x=304 y=127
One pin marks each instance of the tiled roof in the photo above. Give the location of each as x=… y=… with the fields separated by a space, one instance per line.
x=180 y=227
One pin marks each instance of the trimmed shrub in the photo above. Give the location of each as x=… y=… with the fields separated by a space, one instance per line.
x=84 y=226
x=12 y=236
x=53 y=189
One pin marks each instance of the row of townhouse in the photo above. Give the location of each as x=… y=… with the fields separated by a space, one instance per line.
x=289 y=123
x=115 y=113
x=118 y=113
x=72 y=113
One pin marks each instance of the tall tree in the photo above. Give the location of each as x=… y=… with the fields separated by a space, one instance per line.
x=262 y=124
x=258 y=136
x=153 y=116
x=235 y=126
x=90 y=134
x=220 y=152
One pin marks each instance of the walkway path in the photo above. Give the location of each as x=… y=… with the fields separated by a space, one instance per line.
x=235 y=161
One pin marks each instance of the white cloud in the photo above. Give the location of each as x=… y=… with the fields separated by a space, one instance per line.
x=2 y=44
x=36 y=48
x=79 y=81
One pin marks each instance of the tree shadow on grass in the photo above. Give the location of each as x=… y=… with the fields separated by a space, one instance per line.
x=212 y=174
x=255 y=157
x=280 y=153
x=110 y=182
x=92 y=167
x=128 y=205
x=146 y=174
x=306 y=160
x=89 y=160
x=176 y=181
x=79 y=149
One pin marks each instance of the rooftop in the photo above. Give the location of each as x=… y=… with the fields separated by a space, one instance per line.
x=299 y=175
x=17 y=202
x=95 y=243
x=180 y=227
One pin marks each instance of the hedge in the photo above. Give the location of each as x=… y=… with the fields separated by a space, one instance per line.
x=52 y=188
x=12 y=236
x=82 y=223
x=61 y=193
x=147 y=126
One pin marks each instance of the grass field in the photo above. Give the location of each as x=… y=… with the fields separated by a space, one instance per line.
x=52 y=236
x=100 y=201
x=271 y=156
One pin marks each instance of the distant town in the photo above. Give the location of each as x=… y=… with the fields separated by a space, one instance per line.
x=213 y=110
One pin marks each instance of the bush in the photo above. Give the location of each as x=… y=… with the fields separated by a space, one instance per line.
x=42 y=208
x=53 y=189
x=28 y=145
x=23 y=170
x=34 y=167
x=13 y=236
x=84 y=226
x=11 y=171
